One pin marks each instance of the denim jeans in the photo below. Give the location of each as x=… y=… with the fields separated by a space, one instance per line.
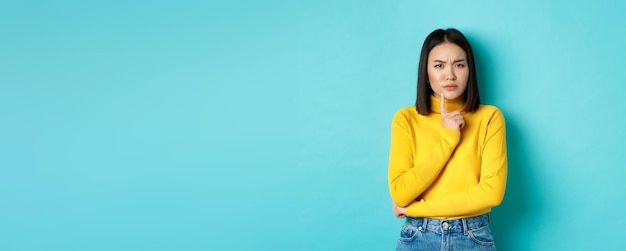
x=432 y=234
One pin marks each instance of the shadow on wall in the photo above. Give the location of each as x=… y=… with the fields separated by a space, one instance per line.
x=517 y=211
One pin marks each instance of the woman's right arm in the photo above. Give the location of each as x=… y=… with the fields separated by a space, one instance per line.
x=410 y=175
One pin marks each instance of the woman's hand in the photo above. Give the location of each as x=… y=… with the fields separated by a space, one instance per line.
x=398 y=211
x=453 y=120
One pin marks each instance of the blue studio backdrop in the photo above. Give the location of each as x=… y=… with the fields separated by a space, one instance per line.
x=264 y=125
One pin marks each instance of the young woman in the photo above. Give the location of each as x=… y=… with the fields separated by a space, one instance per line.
x=447 y=164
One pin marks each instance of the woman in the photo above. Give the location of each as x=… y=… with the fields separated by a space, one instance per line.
x=447 y=163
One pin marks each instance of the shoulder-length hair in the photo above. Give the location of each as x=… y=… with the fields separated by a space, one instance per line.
x=424 y=91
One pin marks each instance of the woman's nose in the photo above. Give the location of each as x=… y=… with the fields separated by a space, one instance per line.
x=451 y=75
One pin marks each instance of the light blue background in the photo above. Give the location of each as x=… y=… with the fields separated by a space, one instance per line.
x=264 y=125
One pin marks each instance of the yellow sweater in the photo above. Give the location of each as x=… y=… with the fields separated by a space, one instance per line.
x=441 y=173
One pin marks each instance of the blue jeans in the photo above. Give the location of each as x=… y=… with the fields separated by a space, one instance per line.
x=432 y=234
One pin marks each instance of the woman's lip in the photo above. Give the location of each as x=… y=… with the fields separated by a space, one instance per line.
x=450 y=87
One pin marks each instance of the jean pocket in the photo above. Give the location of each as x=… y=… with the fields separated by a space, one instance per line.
x=408 y=232
x=482 y=235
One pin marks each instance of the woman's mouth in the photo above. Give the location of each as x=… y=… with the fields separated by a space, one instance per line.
x=450 y=87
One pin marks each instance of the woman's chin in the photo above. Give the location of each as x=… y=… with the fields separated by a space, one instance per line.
x=450 y=94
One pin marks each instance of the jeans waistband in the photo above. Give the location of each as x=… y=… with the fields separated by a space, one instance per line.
x=457 y=225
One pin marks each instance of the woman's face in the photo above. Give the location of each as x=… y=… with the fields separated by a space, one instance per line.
x=447 y=70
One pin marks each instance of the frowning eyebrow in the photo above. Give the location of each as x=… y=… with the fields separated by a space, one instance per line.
x=443 y=61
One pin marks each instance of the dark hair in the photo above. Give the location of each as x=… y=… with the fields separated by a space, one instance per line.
x=424 y=91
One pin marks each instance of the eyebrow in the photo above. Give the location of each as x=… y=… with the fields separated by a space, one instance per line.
x=443 y=61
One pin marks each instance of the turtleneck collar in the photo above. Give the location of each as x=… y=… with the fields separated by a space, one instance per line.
x=451 y=104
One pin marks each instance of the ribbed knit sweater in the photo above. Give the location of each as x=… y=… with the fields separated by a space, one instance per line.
x=442 y=173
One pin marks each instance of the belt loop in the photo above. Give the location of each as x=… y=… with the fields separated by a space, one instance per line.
x=424 y=224
x=465 y=228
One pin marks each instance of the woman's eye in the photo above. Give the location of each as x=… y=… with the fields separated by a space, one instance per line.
x=460 y=65
x=438 y=65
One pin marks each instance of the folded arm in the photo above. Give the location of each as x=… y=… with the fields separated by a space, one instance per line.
x=488 y=193
x=409 y=176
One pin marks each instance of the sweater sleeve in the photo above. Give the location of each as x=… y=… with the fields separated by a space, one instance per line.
x=489 y=191
x=408 y=177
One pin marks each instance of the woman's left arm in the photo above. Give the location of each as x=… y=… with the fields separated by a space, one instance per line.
x=489 y=191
